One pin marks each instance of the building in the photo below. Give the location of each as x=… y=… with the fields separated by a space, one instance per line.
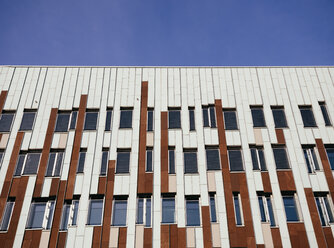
x=166 y=156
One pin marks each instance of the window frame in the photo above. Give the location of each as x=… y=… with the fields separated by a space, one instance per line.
x=46 y=222
x=192 y=121
x=258 y=158
x=12 y=113
x=126 y=125
x=312 y=159
x=296 y=206
x=310 y=109
x=171 y=149
x=213 y=212
x=119 y=151
x=287 y=157
x=331 y=162
x=149 y=150
x=210 y=112
x=108 y=124
x=188 y=200
x=209 y=148
x=82 y=151
x=177 y=125
x=276 y=109
x=70 y=217
x=54 y=166
x=264 y=199
x=105 y=152
x=116 y=200
x=24 y=164
x=257 y=108
x=150 y=119
x=230 y=110
x=325 y=114
x=164 y=209
x=231 y=148
x=145 y=211
x=6 y=227
x=236 y=196
x=26 y=112
x=187 y=169
x=95 y=199
x=89 y=112
x=327 y=216
x=72 y=120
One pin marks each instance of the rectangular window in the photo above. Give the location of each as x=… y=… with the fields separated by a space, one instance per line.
x=104 y=162
x=168 y=210
x=330 y=155
x=7 y=216
x=108 y=120
x=174 y=118
x=41 y=214
x=290 y=208
x=258 y=160
x=1 y=156
x=149 y=159
x=73 y=120
x=62 y=122
x=237 y=209
x=190 y=161
x=266 y=209
x=126 y=118
x=258 y=116
x=150 y=113
x=171 y=160
x=123 y=161
x=311 y=159
x=235 y=159
x=69 y=215
x=54 y=164
x=281 y=158
x=28 y=120
x=325 y=113
x=95 y=212
x=279 y=117
x=212 y=159
x=192 y=118
x=193 y=215
x=144 y=212
x=119 y=215
x=6 y=120
x=91 y=120
x=213 y=208
x=27 y=163
x=209 y=116
x=307 y=116
x=324 y=210
x=230 y=119
x=81 y=161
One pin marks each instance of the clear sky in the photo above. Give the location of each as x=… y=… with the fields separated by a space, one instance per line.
x=167 y=32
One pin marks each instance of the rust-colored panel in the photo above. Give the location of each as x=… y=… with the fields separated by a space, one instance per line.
x=286 y=181
x=62 y=237
x=206 y=226
x=326 y=166
x=147 y=237
x=280 y=136
x=97 y=236
x=164 y=237
x=315 y=217
x=329 y=236
x=276 y=237
x=173 y=235
x=164 y=152
x=181 y=238
x=3 y=96
x=54 y=186
x=102 y=185
x=76 y=148
x=122 y=237
x=235 y=181
x=15 y=186
x=298 y=235
x=45 y=153
x=266 y=182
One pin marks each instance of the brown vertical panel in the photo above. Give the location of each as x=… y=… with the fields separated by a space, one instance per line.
x=97 y=236
x=276 y=237
x=164 y=237
x=54 y=186
x=182 y=239
x=45 y=153
x=147 y=237
x=62 y=240
x=286 y=181
x=280 y=136
x=329 y=236
x=173 y=235
x=315 y=217
x=164 y=152
x=76 y=148
x=122 y=237
x=3 y=96
x=15 y=186
x=298 y=235
x=101 y=189
x=206 y=226
x=266 y=182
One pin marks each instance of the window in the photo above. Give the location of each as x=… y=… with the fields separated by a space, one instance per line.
x=70 y=214
x=192 y=118
x=41 y=214
x=150 y=119
x=230 y=119
x=290 y=208
x=28 y=121
x=266 y=209
x=330 y=155
x=235 y=159
x=325 y=113
x=1 y=155
x=104 y=163
x=81 y=161
x=307 y=116
x=64 y=119
x=143 y=211
x=281 y=158
x=258 y=117
x=237 y=208
x=126 y=118
x=212 y=159
x=209 y=116
x=279 y=117
x=91 y=120
x=149 y=159
x=119 y=216
x=190 y=162
x=95 y=212
x=171 y=160
x=259 y=162
x=108 y=120
x=168 y=210
x=6 y=120
x=123 y=161
x=54 y=164
x=28 y=163
x=6 y=216
x=311 y=159
x=213 y=208
x=174 y=118
x=324 y=210
x=193 y=215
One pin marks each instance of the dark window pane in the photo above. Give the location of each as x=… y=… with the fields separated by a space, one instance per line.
x=1 y=156
x=51 y=162
x=104 y=163
x=329 y=211
x=62 y=122
x=174 y=119
x=31 y=164
x=237 y=210
x=65 y=216
x=36 y=216
x=6 y=122
x=212 y=117
x=171 y=160
x=168 y=210
x=108 y=120
x=192 y=119
x=308 y=117
x=263 y=214
x=75 y=213
x=254 y=159
x=325 y=114
x=321 y=213
x=290 y=208
x=140 y=211
x=95 y=212
x=19 y=165
x=262 y=160
x=230 y=120
x=27 y=121
x=212 y=159
x=74 y=119
x=119 y=217
x=271 y=212
x=91 y=120
x=123 y=161
x=258 y=117
x=148 y=213
x=50 y=217
x=150 y=120
x=149 y=166
x=330 y=155
x=59 y=163
x=235 y=160
x=81 y=162
x=205 y=117
x=190 y=162
x=279 y=118
x=281 y=158
x=213 y=209
x=126 y=119
x=193 y=218
x=6 y=216
x=308 y=163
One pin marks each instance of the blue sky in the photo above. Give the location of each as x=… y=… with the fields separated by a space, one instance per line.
x=167 y=32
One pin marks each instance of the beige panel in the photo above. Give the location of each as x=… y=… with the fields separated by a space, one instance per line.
x=268 y=241
x=139 y=236
x=172 y=183
x=113 y=243
x=62 y=141
x=150 y=139
x=191 y=237
x=4 y=140
x=258 y=136
x=215 y=235
x=44 y=239
x=211 y=181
